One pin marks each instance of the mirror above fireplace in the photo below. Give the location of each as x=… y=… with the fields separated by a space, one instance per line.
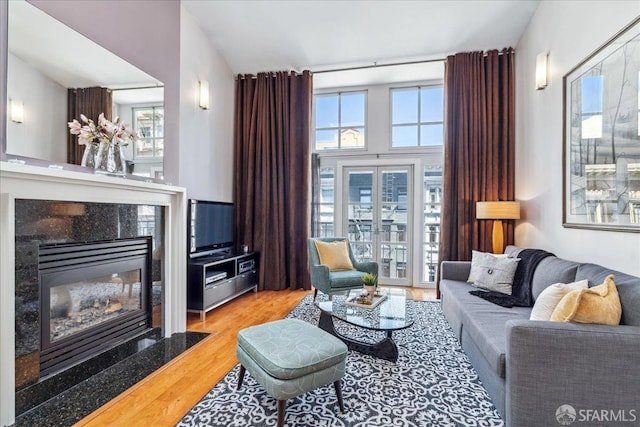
x=46 y=58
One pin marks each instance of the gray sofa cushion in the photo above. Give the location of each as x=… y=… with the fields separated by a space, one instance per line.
x=452 y=304
x=484 y=322
x=628 y=289
x=552 y=270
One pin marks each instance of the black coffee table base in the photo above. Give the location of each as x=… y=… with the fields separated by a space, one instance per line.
x=385 y=349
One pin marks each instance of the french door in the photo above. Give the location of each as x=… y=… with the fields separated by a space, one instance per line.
x=377 y=218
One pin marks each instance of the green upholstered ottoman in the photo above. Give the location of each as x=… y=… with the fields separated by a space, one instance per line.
x=290 y=357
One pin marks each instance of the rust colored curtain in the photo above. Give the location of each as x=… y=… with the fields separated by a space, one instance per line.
x=271 y=162
x=90 y=101
x=479 y=148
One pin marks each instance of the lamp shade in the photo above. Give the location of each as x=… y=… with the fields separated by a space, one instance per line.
x=541 y=70
x=203 y=96
x=16 y=111
x=498 y=210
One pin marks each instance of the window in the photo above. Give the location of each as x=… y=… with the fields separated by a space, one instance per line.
x=402 y=199
x=365 y=195
x=340 y=121
x=432 y=186
x=325 y=207
x=148 y=224
x=341 y=152
x=417 y=116
x=149 y=124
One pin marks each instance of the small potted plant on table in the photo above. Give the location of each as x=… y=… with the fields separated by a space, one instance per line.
x=369 y=282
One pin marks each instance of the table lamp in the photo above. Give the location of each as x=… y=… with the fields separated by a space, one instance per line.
x=497 y=211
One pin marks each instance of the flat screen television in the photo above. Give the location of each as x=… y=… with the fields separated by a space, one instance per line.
x=210 y=227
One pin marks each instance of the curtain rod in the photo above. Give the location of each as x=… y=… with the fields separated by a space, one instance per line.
x=376 y=65
x=362 y=67
x=139 y=87
x=391 y=64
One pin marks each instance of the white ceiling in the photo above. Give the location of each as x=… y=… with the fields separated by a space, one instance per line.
x=256 y=35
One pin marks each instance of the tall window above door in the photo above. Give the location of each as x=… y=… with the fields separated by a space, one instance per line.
x=340 y=121
x=149 y=124
x=417 y=116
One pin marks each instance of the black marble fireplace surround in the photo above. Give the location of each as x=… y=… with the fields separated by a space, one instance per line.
x=44 y=222
x=66 y=398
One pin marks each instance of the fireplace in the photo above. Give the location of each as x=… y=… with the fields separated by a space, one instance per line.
x=94 y=295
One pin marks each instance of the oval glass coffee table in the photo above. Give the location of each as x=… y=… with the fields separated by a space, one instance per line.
x=392 y=314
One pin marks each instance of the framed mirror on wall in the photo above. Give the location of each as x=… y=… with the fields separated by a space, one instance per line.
x=602 y=137
x=45 y=64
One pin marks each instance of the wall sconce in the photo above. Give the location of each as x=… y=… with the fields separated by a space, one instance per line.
x=203 y=99
x=497 y=211
x=16 y=111
x=541 y=70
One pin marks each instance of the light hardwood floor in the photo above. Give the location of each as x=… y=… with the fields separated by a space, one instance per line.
x=163 y=398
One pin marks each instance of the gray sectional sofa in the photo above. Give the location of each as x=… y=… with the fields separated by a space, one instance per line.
x=531 y=368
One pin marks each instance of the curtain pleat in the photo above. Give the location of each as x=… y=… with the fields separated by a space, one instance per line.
x=479 y=148
x=272 y=172
x=315 y=188
x=90 y=101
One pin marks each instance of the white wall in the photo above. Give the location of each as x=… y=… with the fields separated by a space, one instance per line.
x=569 y=31
x=206 y=136
x=45 y=107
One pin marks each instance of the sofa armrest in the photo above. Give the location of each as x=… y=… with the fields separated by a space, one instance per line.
x=589 y=367
x=455 y=270
x=367 y=267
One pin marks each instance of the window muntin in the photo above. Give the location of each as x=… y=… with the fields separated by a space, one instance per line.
x=417 y=116
x=340 y=121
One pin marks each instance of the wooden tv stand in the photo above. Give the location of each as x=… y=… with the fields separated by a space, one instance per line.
x=215 y=279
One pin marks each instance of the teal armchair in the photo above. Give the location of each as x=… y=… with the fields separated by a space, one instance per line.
x=335 y=281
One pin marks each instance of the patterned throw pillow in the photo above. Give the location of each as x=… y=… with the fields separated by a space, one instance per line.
x=334 y=255
x=549 y=298
x=496 y=273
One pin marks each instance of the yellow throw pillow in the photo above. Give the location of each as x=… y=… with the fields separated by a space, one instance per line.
x=600 y=304
x=334 y=255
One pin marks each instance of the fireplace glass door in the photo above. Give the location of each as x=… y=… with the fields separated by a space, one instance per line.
x=93 y=295
x=77 y=306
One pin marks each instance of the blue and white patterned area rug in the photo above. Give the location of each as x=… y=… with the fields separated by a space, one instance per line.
x=431 y=384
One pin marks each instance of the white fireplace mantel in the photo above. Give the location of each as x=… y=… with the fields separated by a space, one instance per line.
x=18 y=181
